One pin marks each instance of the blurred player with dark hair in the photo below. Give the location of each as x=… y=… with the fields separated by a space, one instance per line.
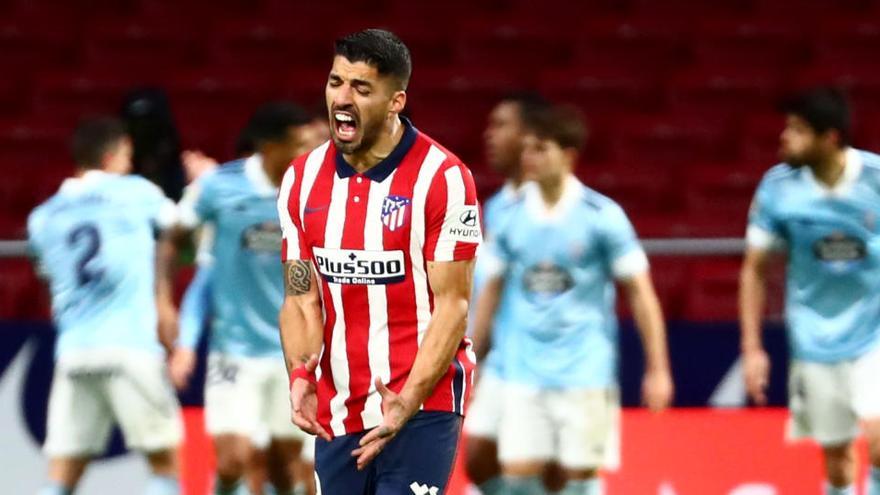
x=507 y=126
x=94 y=242
x=388 y=220
x=246 y=389
x=556 y=258
x=819 y=208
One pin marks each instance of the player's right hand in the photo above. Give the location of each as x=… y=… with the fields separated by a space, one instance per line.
x=756 y=367
x=181 y=366
x=196 y=164
x=304 y=403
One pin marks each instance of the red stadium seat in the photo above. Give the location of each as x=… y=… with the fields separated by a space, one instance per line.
x=13 y=96
x=269 y=45
x=865 y=135
x=670 y=275
x=848 y=40
x=218 y=101
x=672 y=140
x=29 y=45
x=21 y=295
x=141 y=45
x=649 y=225
x=721 y=192
x=759 y=140
x=13 y=225
x=518 y=47
x=733 y=44
x=688 y=9
x=69 y=96
x=306 y=85
x=25 y=147
x=809 y=9
x=599 y=92
x=643 y=46
x=723 y=94
x=861 y=82
x=637 y=192
x=712 y=294
x=471 y=89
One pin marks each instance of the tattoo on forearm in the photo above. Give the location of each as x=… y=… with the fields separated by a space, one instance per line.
x=297 y=277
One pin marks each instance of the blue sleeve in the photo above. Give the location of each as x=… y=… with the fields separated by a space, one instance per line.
x=196 y=307
x=761 y=214
x=204 y=202
x=618 y=235
x=495 y=255
x=34 y=226
x=153 y=203
x=620 y=244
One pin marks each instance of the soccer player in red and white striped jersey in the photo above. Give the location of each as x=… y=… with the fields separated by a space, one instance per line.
x=381 y=226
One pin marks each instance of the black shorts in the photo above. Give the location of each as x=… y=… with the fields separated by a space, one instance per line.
x=417 y=461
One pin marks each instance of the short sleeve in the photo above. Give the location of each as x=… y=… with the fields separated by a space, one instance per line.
x=293 y=243
x=763 y=231
x=161 y=210
x=34 y=225
x=452 y=216
x=623 y=251
x=196 y=206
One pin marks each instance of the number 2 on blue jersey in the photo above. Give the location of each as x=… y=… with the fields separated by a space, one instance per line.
x=88 y=234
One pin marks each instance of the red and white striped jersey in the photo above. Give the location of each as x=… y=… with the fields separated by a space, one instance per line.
x=370 y=237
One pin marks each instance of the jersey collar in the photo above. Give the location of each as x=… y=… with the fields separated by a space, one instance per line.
x=852 y=169
x=535 y=202
x=253 y=170
x=75 y=184
x=509 y=191
x=383 y=169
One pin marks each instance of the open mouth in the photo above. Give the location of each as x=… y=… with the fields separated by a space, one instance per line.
x=345 y=125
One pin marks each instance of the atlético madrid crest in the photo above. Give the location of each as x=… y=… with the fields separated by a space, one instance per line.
x=394 y=210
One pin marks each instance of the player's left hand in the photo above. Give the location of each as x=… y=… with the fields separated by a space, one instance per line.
x=657 y=390
x=396 y=411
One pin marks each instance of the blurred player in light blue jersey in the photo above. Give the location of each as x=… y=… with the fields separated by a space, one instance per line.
x=503 y=139
x=820 y=209
x=94 y=242
x=557 y=257
x=246 y=390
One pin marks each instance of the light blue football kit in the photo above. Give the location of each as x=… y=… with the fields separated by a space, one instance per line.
x=95 y=240
x=559 y=267
x=246 y=389
x=95 y=243
x=495 y=210
x=832 y=239
x=832 y=301
x=238 y=201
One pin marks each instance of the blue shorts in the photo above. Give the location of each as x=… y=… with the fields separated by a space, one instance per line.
x=417 y=461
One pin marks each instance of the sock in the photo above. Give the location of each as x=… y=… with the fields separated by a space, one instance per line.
x=493 y=486
x=55 y=489
x=592 y=486
x=873 y=484
x=531 y=485
x=223 y=489
x=162 y=485
x=833 y=490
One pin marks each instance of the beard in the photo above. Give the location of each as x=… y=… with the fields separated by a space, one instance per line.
x=370 y=134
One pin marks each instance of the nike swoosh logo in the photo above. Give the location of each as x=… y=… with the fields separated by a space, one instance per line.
x=308 y=210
